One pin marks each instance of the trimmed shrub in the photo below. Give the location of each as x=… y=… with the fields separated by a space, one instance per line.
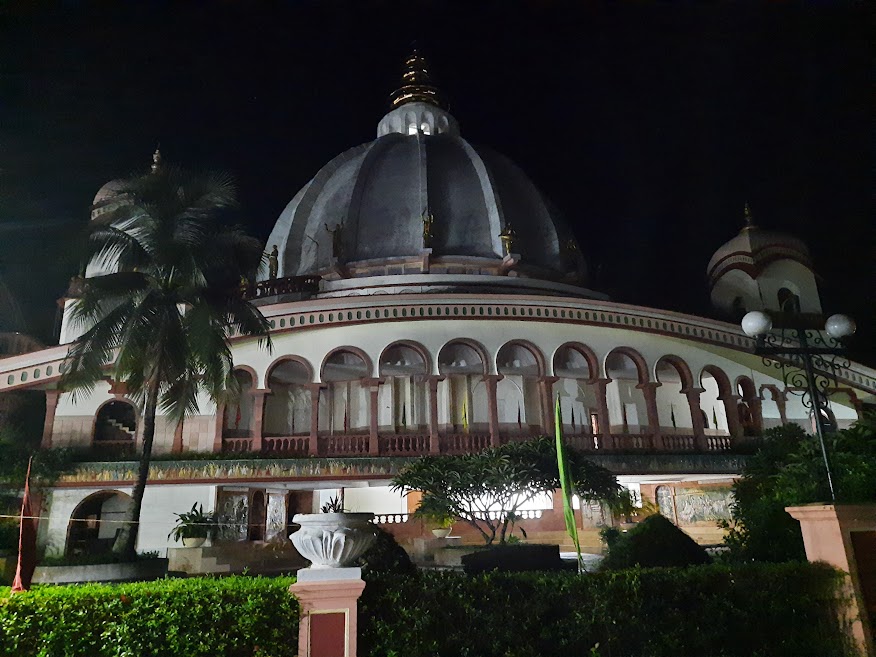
x=386 y=556
x=653 y=542
x=764 y=610
x=228 y=617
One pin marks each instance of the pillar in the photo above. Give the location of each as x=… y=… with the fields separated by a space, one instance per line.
x=373 y=437
x=258 y=418
x=546 y=388
x=649 y=391
x=177 y=445
x=731 y=410
x=696 y=416
x=434 y=445
x=837 y=535
x=313 y=442
x=491 y=380
x=52 y=397
x=329 y=607
x=602 y=417
x=217 y=435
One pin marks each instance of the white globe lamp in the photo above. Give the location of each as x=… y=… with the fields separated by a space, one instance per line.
x=839 y=326
x=756 y=323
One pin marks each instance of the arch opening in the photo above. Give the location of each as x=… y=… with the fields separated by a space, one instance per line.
x=403 y=403
x=95 y=522
x=463 y=404
x=578 y=401
x=288 y=408
x=344 y=404
x=518 y=394
x=627 y=408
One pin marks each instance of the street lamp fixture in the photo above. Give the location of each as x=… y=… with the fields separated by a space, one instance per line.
x=808 y=358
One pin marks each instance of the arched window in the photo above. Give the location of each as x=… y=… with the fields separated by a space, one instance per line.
x=627 y=410
x=412 y=129
x=237 y=422
x=115 y=426
x=518 y=399
x=713 y=408
x=673 y=406
x=344 y=404
x=425 y=128
x=258 y=515
x=578 y=403
x=288 y=407
x=403 y=405
x=788 y=301
x=462 y=395
x=95 y=522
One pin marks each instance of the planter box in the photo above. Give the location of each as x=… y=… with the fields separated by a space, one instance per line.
x=514 y=558
x=102 y=572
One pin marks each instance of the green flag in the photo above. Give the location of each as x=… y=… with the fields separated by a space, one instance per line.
x=566 y=484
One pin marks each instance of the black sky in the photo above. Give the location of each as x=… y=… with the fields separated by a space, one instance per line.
x=648 y=125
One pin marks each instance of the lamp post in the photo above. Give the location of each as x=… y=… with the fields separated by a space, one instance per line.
x=808 y=359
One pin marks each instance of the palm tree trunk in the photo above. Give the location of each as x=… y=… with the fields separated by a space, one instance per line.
x=126 y=541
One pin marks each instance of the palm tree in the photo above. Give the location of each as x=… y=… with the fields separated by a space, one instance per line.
x=159 y=322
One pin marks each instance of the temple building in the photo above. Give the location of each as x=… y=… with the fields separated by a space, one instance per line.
x=424 y=298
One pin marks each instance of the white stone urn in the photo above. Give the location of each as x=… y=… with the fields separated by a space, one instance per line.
x=333 y=540
x=193 y=541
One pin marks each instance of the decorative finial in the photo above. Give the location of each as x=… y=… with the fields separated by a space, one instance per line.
x=156 y=159
x=508 y=236
x=416 y=85
x=749 y=220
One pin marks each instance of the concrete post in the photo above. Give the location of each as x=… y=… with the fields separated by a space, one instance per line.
x=434 y=445
x=258 y=418
x=373 y=427
x=328 y=619
x=649 y=392
x=491 y=380
x=731 y=410
x=696 y=417
x=313 y=442
x=600 y=385
x=546 y=388
x=831 y=534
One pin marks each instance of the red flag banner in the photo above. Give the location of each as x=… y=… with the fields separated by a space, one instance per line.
x=26 y=542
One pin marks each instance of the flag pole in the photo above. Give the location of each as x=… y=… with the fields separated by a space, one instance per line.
x=26 y=541
x=566 y=485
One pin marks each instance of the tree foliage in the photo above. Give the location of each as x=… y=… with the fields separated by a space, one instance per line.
x=488 y=489
x=159 y=322
x=653 y=542
x=788 y=470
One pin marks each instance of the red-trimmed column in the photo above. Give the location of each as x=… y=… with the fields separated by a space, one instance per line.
x=731 y=410
x=491 y=380
x=600 y=386
x=258 y=418
x=327 y=623
x=696 y=417
x=649 y=391
x=220 y=422
x=546 y=389
x=434 y=444
x=373 y=434
x=313 y=442
x=52 y=397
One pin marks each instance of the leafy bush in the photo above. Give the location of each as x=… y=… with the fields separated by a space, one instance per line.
x=386 y=556
x=756 y=610
x=653 y=542
x=788 y=470
x=229 y=617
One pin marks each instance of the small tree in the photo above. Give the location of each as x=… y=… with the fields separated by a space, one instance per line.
x=488 y=489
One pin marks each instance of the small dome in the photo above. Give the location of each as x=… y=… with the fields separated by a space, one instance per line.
x=107 y=196
x=753 y=249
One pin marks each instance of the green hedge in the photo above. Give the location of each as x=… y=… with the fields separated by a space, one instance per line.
x=227 y=617
x=774 y=610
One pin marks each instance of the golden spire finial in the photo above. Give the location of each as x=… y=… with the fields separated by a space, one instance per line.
x=749 y=220
x=156 y=159
x=416 y=84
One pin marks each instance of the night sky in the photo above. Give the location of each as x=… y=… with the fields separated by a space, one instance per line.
x=647 y=125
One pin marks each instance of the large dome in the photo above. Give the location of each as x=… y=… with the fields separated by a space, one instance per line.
x=422 y=191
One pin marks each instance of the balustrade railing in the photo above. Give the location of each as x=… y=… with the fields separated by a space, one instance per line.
x=237 y=445
x=404 y=444
x=287 y=446
x=274 y=287
x=584 y=442
x=464 y=443
x=391 y=518
x=632 y=441
x=678 y=442
x=343 y=445
x=719 y=443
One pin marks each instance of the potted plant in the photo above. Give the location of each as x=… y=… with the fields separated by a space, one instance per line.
x=334 y=538
x=194 y=527
x=435 y=513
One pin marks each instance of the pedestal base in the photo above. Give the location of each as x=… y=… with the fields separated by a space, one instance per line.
x=328 y=599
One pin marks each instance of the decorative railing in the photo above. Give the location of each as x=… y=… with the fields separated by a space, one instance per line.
x=584 y=442
x=632 y=441
x=277 y=286
x=464 y=443
x=391 y=518
x=679 y=442
x=287 y=446
x=237 y=445
x=719 y=443
x=343 y=445
x=404 y=444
